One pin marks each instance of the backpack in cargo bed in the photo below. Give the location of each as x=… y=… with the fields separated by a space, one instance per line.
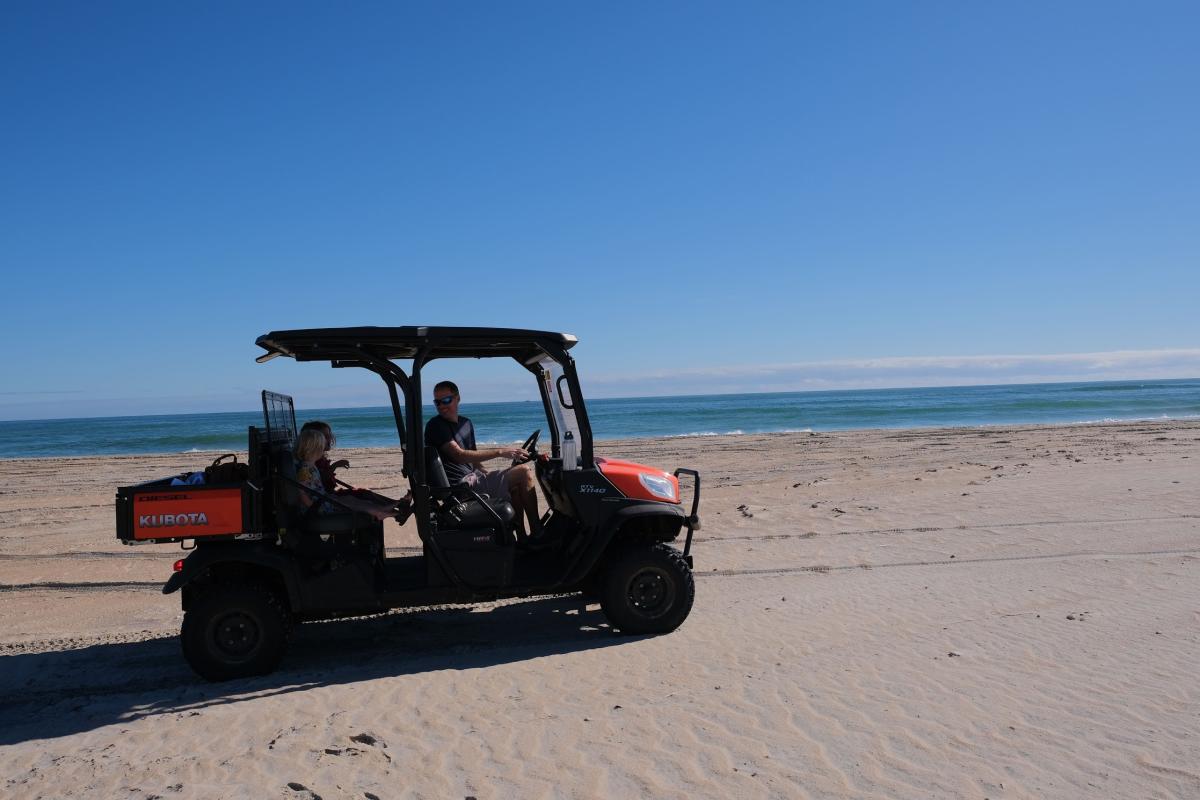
x=222 y=471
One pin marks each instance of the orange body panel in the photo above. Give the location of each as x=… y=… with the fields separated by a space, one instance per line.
x=624 y=475
x=171 y=513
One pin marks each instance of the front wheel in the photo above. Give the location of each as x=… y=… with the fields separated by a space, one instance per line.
x=648 y=589
x=234 y=632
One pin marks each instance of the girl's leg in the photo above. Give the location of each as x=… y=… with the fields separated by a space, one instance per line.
x=377 y=510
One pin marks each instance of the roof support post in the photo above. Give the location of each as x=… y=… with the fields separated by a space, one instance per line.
x=559 y=354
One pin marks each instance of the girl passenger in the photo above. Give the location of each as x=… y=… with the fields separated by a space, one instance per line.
x=310 y=447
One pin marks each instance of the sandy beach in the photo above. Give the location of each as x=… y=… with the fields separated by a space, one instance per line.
x=1001 y=612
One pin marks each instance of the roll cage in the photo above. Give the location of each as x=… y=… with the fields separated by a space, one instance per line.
x=542 y=353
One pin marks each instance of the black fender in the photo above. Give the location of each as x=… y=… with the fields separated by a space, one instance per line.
x=176 y=581
x=672 y=517
x=201 y=561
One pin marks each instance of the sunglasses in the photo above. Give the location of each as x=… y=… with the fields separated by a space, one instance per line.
x=444 y=401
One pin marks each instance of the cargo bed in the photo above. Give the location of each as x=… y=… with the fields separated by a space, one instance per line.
x=156 y=511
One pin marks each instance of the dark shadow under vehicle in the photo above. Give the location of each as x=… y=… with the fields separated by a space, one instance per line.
x=60 y=691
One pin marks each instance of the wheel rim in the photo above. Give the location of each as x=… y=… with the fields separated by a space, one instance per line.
x=235 y=635
x=651 y=592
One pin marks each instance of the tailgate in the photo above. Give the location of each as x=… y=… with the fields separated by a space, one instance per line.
x=159 y=512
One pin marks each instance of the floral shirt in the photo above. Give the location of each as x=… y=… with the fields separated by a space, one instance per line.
x=308 y=474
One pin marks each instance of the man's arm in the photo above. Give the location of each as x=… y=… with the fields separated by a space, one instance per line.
x=459 y=455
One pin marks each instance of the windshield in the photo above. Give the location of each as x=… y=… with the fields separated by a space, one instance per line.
x=561 y=404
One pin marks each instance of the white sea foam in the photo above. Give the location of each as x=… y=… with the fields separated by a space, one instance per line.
x=1132 y=419
x=702 y=433
x=736 y=432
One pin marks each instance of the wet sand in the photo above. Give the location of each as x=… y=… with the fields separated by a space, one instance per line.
x=1003 y=612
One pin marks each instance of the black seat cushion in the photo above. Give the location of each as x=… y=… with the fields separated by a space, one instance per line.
x=461 y=508
x=435 y=474
x=470 y=514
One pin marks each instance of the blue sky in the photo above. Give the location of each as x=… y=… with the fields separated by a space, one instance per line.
x=724 y=197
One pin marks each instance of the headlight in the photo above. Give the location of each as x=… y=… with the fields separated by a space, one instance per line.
x=658 y=486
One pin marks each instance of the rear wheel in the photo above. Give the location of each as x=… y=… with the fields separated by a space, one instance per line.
x=234 y=631
x=648 y=589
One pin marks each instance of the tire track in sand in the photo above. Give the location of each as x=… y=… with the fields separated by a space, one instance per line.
x=935 y=528
x=153 y=555
x=162 y=555
x=820 y=568
x=85 y=586
x=99 y=586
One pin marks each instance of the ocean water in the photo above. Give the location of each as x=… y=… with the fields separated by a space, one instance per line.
x=709 y=415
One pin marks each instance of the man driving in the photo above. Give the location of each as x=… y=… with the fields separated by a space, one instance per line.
x=454 y=437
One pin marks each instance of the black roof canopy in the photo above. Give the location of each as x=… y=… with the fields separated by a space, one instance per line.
x=336 y=344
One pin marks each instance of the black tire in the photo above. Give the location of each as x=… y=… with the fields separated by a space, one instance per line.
x=234 y=631
x=648 y=589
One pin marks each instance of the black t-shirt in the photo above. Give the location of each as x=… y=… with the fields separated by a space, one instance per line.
x=439 y=431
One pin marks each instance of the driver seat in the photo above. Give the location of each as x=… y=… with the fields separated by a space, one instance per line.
x=461 y=506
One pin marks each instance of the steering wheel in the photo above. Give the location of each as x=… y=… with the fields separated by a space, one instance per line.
x=531 y=446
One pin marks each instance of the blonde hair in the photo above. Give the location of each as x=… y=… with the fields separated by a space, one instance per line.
x=324 y=427
x=310 y=445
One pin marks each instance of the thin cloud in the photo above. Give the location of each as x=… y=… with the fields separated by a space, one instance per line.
x=40 y=393
x=903 y=371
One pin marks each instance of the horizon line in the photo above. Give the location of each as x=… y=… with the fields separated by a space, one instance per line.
x=645 y=397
